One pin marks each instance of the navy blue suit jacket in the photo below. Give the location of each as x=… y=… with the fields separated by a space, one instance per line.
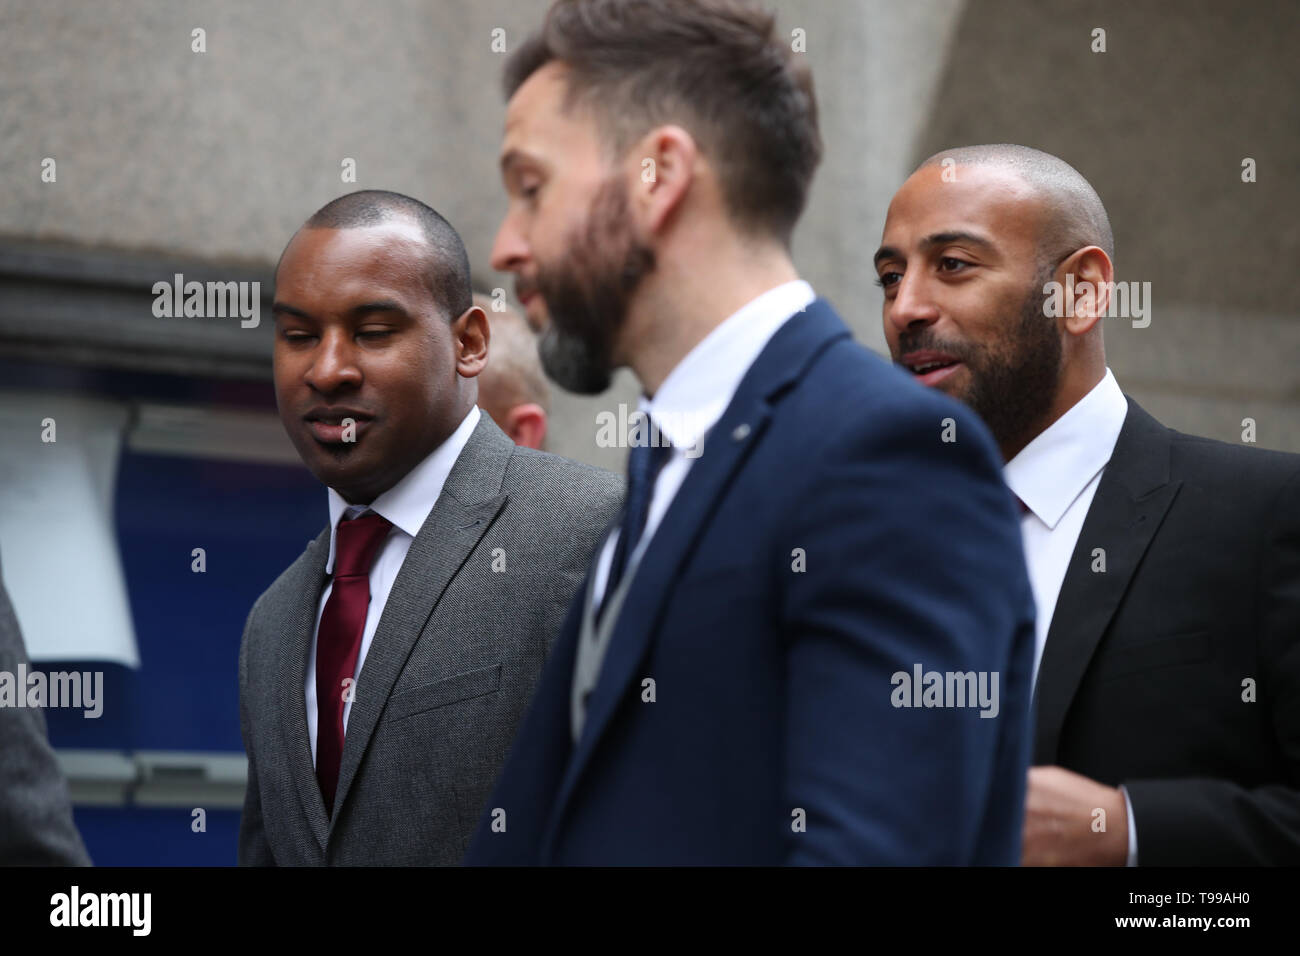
x=827 y=539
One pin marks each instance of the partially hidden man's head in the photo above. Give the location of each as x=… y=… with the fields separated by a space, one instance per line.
x=630 y=124
x=377 y=340
x=970 y=242
x=512 y=389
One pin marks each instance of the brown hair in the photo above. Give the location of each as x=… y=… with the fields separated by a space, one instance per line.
x=715 y=67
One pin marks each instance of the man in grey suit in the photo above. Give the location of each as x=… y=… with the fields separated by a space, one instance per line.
x=36 y=827
x=383 y=674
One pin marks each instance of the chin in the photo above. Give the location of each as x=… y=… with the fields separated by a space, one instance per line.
x=334 y=473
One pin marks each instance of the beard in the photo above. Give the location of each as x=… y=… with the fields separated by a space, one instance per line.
x=1013 y=378
x=588 y=292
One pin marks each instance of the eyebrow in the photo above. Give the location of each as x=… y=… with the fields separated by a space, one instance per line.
x=513 y=157
x=935 y=239
x=379 y=305
x=281 y=308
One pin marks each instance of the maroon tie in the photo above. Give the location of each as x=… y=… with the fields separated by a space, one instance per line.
x=338 y=639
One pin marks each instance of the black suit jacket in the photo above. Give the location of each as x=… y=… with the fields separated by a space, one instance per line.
x=1150 y=666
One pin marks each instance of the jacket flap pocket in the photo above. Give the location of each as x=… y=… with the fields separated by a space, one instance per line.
x=440 y=693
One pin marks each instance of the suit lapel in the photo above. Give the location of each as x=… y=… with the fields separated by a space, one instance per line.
x=1131 y=501
x=304 y=584
x=469 y=502
x=780 y=364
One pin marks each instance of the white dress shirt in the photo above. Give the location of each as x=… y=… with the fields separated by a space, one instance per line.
x=1056 y=476
x=696 y=393
x=407 y=504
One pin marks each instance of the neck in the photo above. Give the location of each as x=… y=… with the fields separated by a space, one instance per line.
x=1077 y=382
x=690 y=295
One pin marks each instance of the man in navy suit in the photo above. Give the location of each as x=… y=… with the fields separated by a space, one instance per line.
x=808 y=640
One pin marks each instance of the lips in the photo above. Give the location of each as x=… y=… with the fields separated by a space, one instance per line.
x=331 y=425
x=930 y=367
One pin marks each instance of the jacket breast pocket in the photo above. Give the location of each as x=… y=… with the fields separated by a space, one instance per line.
x=440 y=693
x=1153 y=655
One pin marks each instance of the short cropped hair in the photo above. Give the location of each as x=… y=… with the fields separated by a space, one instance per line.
x=448 y=262
x=717 y=68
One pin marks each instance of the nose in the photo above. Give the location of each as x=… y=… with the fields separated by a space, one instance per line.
x=509 y=250
x=912 y=306
x=334 y=365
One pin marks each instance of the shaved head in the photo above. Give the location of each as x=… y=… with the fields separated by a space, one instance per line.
x=973 y=244
x=1072 y=213
x=446 y=263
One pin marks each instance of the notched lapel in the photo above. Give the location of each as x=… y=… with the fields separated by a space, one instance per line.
x=782 y=362
x=657 y=571
x=464 y=511
x=1132 y=500
x=291 y=635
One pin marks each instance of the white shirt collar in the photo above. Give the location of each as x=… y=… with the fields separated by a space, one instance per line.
x=701 y=386
x=407 y=504
x=1053 y=469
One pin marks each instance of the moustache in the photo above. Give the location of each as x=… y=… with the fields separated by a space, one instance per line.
x=927 y=341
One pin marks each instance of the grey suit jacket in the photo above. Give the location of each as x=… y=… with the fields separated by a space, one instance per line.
x=36 y=825
x=454 y=660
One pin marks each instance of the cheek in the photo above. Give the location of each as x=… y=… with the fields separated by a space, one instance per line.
x=286 y=372
x=416 y=375
x=562 y=225
x=985 y=320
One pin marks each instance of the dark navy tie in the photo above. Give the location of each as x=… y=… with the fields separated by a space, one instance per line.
x=644 y=462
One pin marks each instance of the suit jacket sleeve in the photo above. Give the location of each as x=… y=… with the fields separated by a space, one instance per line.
x=912 y=557
x=254 y=850
x=1202 y=821
x=36 y=827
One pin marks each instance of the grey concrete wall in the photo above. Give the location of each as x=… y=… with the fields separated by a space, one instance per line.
x=221 y=155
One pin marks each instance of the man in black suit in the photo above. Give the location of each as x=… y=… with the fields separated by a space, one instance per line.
x=1165 y=567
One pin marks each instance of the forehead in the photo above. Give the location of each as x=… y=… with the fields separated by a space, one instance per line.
x=985 y=200
x=538 y=125
x=392 y=256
